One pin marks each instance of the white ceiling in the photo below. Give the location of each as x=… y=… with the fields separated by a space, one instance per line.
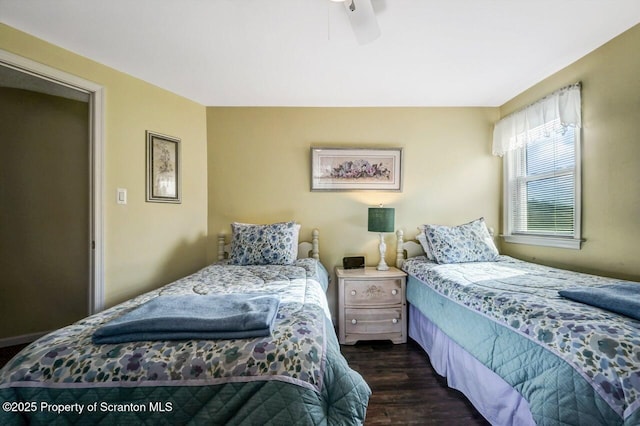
x=304 y=53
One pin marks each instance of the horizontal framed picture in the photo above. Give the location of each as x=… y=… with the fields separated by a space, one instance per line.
x=356 y=169
x=163 y=168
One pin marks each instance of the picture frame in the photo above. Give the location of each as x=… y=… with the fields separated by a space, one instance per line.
x=163 y=168
x=356 y=169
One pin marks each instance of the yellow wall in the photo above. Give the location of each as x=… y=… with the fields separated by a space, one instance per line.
x=253 y=165
x=259 y=171
x=610 y=79
x=146 y=244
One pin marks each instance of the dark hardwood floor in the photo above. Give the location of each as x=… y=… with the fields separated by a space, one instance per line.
x=405 y=388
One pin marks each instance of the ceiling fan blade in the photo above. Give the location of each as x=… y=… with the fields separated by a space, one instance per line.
x=363 y=20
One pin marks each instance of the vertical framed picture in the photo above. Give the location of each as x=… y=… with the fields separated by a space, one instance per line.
x=163 y=168
x=356 y=169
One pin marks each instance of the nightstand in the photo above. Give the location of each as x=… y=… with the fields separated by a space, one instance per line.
x=372 y=305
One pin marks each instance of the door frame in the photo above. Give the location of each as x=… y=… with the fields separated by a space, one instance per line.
x=95 y=302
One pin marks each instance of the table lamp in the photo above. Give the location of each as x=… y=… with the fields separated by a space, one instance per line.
x=381 y=219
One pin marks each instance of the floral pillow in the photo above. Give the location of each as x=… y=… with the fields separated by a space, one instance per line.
x=422 y=239
x=470 y=242
x=275 y=244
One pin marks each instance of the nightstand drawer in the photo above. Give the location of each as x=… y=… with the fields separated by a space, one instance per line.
x=373 y=321
x=373 y=292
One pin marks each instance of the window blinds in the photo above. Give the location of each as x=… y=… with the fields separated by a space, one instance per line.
x=543 y=183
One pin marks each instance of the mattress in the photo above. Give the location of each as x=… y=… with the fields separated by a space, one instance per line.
x=295 y=376
x=571 y=362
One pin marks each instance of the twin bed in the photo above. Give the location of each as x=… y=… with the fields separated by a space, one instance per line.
x=500 y=332
x=495 y=326
x=294 y=374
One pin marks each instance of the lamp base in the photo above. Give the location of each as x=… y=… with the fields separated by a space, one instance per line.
x=382 y=266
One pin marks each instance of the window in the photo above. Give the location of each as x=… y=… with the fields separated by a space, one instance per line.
x=541 y=148
x=542 y=189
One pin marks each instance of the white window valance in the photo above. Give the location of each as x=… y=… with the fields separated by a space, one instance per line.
x=555 y=111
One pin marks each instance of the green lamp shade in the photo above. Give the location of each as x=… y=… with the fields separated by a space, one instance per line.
x=381 y=219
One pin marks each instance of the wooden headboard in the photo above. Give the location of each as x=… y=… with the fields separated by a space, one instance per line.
x=305 y=248
x=405 y=250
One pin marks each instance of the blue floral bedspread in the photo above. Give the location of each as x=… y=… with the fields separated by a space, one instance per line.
x=603 y=347
x=295 y=353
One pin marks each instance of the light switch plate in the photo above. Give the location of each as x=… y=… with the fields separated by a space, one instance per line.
x=121 y=197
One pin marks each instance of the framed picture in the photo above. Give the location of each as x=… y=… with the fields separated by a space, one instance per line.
x=354 y=169
x=163 y=168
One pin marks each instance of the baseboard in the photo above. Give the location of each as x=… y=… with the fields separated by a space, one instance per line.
x=21 y=340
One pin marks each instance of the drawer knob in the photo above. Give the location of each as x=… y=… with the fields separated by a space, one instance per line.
x=353 y=321
x=353 y=292
x=394 y=291
x=395 y=320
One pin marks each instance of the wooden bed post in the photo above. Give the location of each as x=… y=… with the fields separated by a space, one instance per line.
x=220 y=246
x=315 y=247
x=399 y=248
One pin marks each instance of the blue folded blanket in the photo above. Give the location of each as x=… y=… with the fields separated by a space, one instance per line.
x=181 y=317
x=623 y=298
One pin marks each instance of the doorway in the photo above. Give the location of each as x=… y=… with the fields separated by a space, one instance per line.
x=52 y=181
